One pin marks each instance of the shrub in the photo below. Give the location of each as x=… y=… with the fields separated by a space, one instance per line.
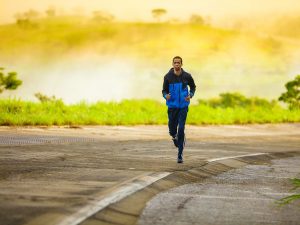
x=232 y=100
x=292 y=95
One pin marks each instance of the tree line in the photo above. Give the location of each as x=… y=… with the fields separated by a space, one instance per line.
x=27 y=19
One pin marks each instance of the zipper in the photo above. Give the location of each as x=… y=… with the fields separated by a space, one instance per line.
x=179 y=93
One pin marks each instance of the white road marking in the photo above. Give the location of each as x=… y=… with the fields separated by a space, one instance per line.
x=124 y=191
x=137 y=184
x=220 y=197
x=236 y=156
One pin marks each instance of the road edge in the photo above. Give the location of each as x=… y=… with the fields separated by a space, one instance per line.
x=127 y=210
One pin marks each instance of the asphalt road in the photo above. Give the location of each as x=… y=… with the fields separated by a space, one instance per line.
x=107 y=175
x=247 y=195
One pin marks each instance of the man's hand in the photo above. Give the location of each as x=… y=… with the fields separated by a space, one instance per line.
x=188 y=98
x=168 y=96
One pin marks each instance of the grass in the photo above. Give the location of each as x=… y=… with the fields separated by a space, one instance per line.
x=291 y=198
x=133 y=112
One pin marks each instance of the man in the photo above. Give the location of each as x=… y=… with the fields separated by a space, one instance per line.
x=177 y=95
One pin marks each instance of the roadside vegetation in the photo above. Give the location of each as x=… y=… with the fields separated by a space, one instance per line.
x=221 y=59
x=228 y=108
x=293 y=197
x=8 y=81
x=214 y=51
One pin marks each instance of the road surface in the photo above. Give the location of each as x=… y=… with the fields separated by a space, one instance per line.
x=107 y=175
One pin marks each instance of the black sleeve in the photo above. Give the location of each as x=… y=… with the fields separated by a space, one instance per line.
x=165 y=89
x=192 y=85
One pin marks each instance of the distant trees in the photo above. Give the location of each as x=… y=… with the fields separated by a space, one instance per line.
x=200 y=20
x=25 y=20
x=9 y=81
x=158 y=13
x=292 y=95
x=197 y=19
x=31 y=14
x=51 y=11
x=102 y=17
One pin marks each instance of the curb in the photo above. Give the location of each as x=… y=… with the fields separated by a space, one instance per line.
x=127 y=210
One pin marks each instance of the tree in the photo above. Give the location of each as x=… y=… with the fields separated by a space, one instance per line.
x=25 y=20
x=292 y=95
x=102 y=17
x=9 y=81
x=51 y=11
x=31 y=14
x=158 y=13
x=197 y=19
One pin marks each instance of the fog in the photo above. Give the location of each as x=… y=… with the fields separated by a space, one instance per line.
x=247 y=52
x=89 y=77
x=218 y=10
x=86 y=77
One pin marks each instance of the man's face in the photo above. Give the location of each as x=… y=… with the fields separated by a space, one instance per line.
x=177 y=64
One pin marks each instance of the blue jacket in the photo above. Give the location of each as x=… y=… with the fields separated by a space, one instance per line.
x=177 y=87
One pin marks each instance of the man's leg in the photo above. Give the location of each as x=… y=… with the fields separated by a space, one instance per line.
x=181 y=136
x=173 y=123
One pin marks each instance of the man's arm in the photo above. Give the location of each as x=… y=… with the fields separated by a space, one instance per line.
x=192 y=86
x=165 y=90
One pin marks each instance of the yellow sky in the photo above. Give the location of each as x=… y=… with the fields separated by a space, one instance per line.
x=141 y=9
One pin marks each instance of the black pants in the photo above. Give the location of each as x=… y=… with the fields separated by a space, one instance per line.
x=177 y=118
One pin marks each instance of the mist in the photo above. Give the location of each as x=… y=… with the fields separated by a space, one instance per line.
x=79 y=59
x=134 y=10
x=86 y=77
x=91 y=77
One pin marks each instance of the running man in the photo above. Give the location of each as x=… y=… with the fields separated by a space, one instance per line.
x=177 y=95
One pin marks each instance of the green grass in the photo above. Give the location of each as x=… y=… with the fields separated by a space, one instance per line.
x=293 y=197
x=133 y=112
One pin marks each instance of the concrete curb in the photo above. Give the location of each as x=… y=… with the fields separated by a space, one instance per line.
x=127 y=210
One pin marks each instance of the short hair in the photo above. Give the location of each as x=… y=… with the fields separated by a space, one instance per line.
x=177 y=57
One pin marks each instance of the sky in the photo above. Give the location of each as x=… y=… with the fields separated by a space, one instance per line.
x=141 y=10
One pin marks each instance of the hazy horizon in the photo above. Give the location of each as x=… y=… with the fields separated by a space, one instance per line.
x=257 y=55
x=135 y=10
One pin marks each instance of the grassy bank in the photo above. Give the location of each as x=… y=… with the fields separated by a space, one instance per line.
x=133 y=112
